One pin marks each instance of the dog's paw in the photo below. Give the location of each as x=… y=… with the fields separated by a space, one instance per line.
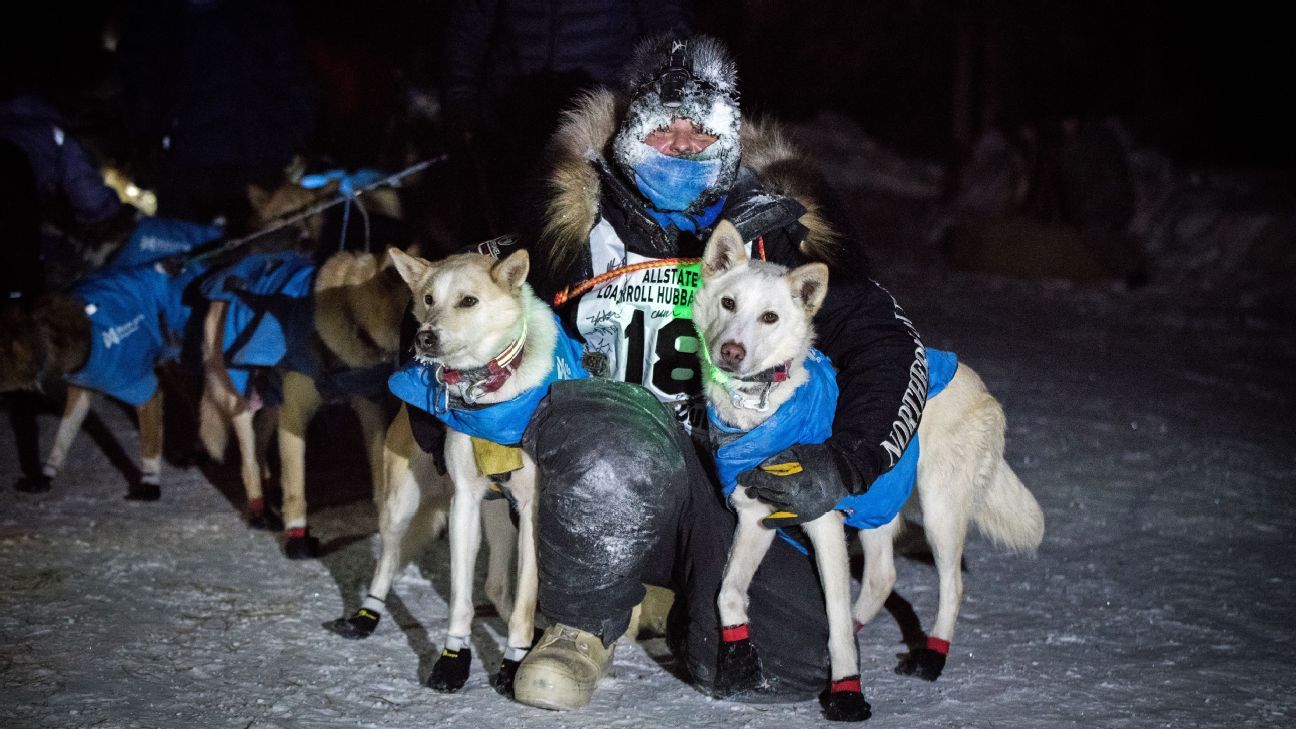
x=738 y=670
x=844 y=701
x=503 y=679
x=37 y=484
x=450 y=672
x=143 y=491
x=361 y=624
x=259 y=516
x=925 y=663
x=299 y=544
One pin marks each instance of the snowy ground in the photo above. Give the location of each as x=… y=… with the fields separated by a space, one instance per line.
x=1155 y=436
x=1155 y=433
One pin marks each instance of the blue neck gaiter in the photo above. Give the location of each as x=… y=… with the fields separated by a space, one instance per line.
x=671 y=184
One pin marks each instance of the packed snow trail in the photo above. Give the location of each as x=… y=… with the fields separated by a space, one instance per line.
x=1156 y=436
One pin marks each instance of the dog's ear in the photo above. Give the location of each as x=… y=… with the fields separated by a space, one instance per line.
x=258 y=197
x=512 y=271
x=411 y=268
x=809 y=284
x=724 y=250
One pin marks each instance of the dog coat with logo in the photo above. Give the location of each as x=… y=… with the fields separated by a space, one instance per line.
x=137 y=318
x=157 y=238
x=807 y=418
x=503 y=422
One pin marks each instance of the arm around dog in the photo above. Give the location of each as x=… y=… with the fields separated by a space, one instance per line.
x=882 y=375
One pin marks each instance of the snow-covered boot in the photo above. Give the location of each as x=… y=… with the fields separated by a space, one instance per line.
x=926 y=662
x=844 y=701
x=562 y=669
x=738 y=668
x=653 y=612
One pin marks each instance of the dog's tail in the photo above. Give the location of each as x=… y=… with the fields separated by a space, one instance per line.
x=1008 y=513
x=213 y=431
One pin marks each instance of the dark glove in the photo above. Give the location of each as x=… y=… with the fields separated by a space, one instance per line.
x=802 y=482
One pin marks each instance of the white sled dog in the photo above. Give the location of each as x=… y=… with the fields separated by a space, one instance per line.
x=754 y=316
x=485 y=347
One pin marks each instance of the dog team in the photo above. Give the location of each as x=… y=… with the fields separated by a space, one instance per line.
x=661 y=385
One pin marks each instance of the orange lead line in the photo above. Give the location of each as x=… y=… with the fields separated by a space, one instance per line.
x=571 y=292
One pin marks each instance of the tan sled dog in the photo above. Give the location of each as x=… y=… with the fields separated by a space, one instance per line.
x=105 y=336
x=485 y=352
x=355 y=311
x=755 y=317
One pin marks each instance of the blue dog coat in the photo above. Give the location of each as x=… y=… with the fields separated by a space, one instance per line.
x=137 y=317
x=270 y=310
x=503 y=422
x=807 y=418
x=157 y=238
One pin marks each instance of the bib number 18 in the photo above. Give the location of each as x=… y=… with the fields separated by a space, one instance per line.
x=675 y=368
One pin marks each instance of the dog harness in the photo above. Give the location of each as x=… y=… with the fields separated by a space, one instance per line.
x=137 y=318
x=807 y=418
x=157 y=238
x=504 y=422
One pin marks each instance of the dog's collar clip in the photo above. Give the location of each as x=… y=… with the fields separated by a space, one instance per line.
x=481 y=381
x=768 y=379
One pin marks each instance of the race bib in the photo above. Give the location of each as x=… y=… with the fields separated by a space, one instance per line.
x=638 y=326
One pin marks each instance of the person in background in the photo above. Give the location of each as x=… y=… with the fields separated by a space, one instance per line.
x=510 y=67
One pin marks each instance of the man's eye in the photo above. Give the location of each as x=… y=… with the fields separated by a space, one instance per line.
x=467 y=301
x=769 y=317
x=728 y=303
x=427 y=299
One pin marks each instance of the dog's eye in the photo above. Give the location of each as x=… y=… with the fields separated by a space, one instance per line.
x=728 y=303
x=467 y=301
x=769 y=317
x=427 y=299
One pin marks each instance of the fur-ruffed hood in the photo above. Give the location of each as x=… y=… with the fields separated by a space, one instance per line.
x=573 y=184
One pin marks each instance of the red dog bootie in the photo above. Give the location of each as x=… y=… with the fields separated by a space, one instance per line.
x=844 y=701
x=299 y=544
x=926 y=662
x=738 y=669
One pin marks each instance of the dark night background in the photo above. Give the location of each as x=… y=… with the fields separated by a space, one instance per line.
x=1208 y=83
x=927 y=82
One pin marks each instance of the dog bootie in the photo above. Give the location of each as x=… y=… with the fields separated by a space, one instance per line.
x=926 y=662
x=738 y=669
x=259 y=516
x=299 y=544
x=563 y=669
x=450 y=672
x=145 y=489
x=504 y=678
x=844 y=701
x=37 y=484
x=361 y=624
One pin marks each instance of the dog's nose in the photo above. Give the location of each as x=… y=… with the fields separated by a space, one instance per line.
x=732 y=352
x=426 y=339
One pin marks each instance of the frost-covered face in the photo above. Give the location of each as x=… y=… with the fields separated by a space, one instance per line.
x=469 y=307
x=682 y=137
x=683 y=103
x=754 y=315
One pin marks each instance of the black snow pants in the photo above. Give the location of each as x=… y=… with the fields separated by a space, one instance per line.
x=626 y=499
